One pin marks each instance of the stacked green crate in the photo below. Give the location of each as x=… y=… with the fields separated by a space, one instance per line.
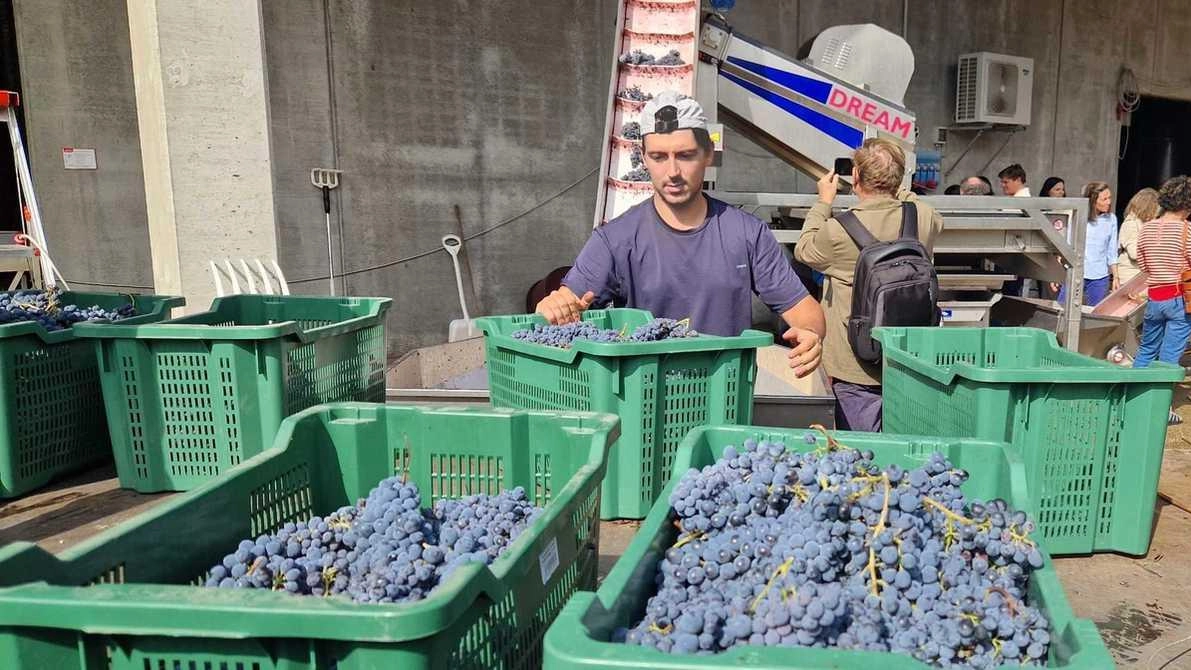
x=128 y=599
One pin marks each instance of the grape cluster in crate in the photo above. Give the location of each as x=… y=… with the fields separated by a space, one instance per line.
x=827 y=549
x=640 y=57
x=384 y=549
x=565 y=334
x=45 y=307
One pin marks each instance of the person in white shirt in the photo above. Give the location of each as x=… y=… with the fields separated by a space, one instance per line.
x=1013 y=181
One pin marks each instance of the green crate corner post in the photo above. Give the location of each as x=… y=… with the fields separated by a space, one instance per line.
x=189 y=398
x=125 y=599
x=660 y=390
x=581 y=635
x=1091 y=433
x=52 y=419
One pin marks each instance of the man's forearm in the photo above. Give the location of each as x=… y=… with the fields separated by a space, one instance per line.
x=807 y=314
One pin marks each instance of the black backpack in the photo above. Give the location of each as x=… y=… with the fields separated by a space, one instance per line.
x=895 y=283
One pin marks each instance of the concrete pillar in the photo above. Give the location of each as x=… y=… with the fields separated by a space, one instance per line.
x=202 y=106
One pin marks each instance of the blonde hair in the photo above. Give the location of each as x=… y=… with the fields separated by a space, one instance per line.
x=1144 y=205
x=880 y=165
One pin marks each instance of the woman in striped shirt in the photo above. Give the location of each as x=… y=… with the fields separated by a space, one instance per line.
x=1163 y=253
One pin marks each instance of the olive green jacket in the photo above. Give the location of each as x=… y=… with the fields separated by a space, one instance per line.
x=825 y=246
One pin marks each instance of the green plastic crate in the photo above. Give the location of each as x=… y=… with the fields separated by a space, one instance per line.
x=581 y=636
x=52 y=418
x=660 y=391
x=191 y=397
x=1091 y=433
x=122 y=601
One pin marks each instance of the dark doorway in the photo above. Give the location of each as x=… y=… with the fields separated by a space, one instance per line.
x=1154 y=147
x=10 y=80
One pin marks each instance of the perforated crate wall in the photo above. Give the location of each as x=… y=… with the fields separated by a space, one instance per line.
x=53 y=420
x=325 y=463
x=586 y=634
x=350 y=367
x=659 y=398
x=186 y=410
x=1068 y=416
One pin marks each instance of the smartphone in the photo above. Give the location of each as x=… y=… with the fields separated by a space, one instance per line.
x=843 y=167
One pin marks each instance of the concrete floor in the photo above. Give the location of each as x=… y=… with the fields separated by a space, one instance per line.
x=1142 y=606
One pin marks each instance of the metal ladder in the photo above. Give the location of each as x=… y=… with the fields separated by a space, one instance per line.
x=25 y=254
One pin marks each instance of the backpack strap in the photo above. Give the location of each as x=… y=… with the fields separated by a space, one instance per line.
x=856 y=230
x=909 y=221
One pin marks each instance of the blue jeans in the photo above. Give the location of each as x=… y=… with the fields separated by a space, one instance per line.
x=1164 y=333
x=1094 y=290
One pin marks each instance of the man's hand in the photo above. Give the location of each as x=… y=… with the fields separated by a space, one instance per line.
x=563 y=306
x=807 y=350
x=828 y=186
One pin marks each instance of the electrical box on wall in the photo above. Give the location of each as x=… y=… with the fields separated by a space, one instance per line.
x=994 y=88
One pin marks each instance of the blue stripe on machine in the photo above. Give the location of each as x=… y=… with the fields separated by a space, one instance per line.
x=849 y=136
x=816 y=89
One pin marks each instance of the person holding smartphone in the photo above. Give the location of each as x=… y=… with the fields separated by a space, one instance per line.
x=877 y=169
x=682 y=254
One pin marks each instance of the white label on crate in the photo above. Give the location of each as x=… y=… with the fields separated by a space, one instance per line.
x=78 y=159
x=548 y=560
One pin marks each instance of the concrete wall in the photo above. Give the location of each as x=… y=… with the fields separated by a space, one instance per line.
x=450 y=117
x=453 y=116
x=76 y=74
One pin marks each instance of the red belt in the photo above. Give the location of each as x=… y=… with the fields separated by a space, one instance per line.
x=1164 y=292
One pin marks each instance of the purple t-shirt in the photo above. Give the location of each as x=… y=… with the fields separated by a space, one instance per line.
x=708 y=274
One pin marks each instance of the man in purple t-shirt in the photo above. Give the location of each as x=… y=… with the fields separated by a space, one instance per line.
x=682 y=254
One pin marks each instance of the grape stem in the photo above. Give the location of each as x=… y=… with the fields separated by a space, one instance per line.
x=825 y=484
x=874 y=582
x=655 y=628
x=799 y=492
x=884 y=506
x=781 y=570
x=832 y=443
x=950 y=535
x=329 y=574
x=931 y=502
x=1010 y=603
x=1018 y=537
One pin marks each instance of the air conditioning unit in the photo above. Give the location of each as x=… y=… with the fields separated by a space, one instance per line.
x=994 y=88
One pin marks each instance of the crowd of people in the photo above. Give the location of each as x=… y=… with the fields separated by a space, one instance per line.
x=1152 y=239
